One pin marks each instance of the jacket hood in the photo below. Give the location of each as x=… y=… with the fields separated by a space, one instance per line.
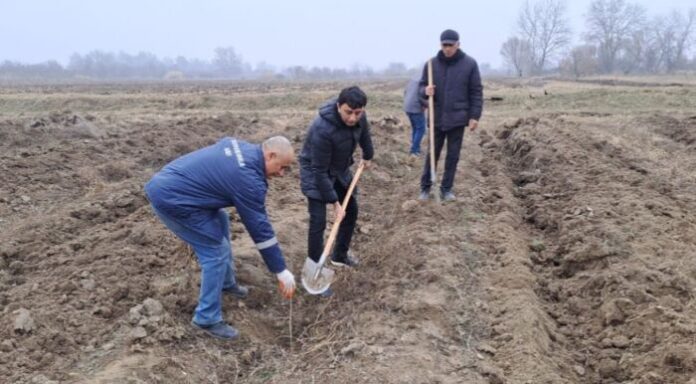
x=329 y=112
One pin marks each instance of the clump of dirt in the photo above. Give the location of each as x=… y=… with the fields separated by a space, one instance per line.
x=680 y=130
x=115 y=172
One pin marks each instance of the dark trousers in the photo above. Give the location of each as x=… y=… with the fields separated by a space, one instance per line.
x=454 y=138
x=317 y=224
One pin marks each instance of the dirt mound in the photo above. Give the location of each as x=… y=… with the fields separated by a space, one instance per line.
x=607 y=229
x=682 y=131
x=630 y=83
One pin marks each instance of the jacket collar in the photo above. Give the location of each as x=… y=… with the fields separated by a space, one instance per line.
x=450 y=60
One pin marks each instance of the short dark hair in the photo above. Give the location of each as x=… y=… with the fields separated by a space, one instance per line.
x=353 y=96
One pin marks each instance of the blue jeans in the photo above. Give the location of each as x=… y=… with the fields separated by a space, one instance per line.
x=418 y=130
x=214 y=256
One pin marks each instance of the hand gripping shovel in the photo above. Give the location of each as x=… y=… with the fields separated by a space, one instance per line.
x=431 y=134
x=315 y=278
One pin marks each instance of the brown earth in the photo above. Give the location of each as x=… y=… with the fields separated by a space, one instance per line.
x=567 y=258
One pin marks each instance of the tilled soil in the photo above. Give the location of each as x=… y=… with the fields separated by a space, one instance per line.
x=603 y=231
x=567 y=257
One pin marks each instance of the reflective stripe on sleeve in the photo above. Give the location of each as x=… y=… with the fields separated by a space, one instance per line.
x=266 y=244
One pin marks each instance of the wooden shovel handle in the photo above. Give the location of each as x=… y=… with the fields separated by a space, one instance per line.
x=337 y=223
x=431 y=132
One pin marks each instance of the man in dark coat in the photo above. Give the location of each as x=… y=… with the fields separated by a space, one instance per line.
x=325 y=161
x=458 y=103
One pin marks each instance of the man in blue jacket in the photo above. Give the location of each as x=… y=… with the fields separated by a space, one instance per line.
x=189 y=196
x=325 y=161
x=458 y=103
x=413 y=108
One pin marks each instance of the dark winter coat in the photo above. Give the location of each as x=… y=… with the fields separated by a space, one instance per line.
x=327 y=153
x=458 y=90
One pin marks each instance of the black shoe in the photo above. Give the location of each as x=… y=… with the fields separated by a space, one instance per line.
x=238 y=291
x=219 y=330
x=448 y=196
x=345 y=260
x=424 y=195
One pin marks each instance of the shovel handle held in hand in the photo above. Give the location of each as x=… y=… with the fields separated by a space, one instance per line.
x=337 y=223
x=431 y=130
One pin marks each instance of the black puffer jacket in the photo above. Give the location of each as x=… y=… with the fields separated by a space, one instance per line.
x=327 y=153
x=458 y=90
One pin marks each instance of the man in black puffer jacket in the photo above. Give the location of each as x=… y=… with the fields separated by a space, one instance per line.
x=325 y=161
x=458 y=103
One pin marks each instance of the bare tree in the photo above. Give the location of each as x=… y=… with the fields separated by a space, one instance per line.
x=581 y=61
x=635 y=52
x=609 y=23
x=228 y=62
x=673 y=37
x=395 y=69
x=544 y=27
x=517 y=55
x=651 y=59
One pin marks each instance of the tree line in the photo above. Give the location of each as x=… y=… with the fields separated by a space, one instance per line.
x=619 y=37
x=226 y=64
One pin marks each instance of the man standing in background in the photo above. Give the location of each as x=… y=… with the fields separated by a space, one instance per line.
x=458 y=100
x=414 y=111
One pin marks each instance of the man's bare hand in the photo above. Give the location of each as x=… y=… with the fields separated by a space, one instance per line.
x=430 y=90
x=473 y=124
x=338 y=212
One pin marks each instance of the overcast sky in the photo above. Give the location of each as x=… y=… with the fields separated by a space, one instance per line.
x=282 y=33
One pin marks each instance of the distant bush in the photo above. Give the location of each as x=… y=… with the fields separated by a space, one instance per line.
x=174 y=75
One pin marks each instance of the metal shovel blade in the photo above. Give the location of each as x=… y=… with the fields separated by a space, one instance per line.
x=316 y=284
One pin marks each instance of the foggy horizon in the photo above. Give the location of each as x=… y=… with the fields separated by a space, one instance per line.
x=279 y=34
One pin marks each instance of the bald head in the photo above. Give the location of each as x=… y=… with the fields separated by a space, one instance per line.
x=278 y=144
x=278 y=155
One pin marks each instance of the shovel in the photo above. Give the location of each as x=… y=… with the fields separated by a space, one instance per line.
x=315 y=278
x=431 y=133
